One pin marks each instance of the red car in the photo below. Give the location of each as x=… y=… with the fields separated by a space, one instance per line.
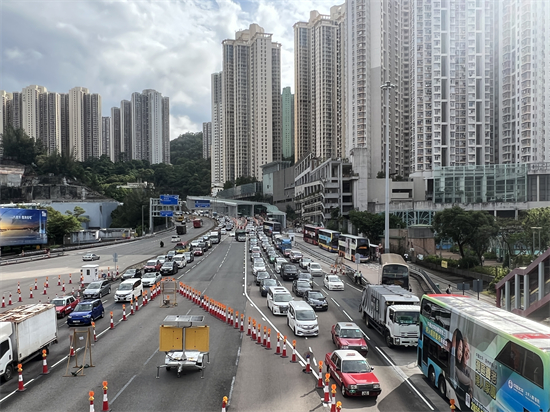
x=352 y=373
x=152 y=266
x=197 y=251
x=347 y=335
x=64 y=305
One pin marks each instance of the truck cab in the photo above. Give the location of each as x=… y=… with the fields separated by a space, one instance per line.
x=402 y=321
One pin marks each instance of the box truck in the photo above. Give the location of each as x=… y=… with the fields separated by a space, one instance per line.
x=24 y=332
x=392 y=311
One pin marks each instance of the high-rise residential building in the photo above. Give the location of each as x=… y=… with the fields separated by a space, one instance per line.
x=116 y=147
x=206 y=139
x=126 y=129
x=287 y=123
x=166 y=129
x=5 y=97
x=217 y=160
x=16 y=110
x=452 y=84
x=319 y=85
x=64 y=122
x=77 y=122
x=251 y=79
x=106 y=140
x=49 y=116
x=30 y=119
x=523 y=67
x=93 y=128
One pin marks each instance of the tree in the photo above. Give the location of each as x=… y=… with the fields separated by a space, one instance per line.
x=130 y=212
x=78 y=212
x=483 y=234
x=60 y=225
x=534 y=219
x=290 y=213
x=453 y=223
x=20 y=147
x=228 y=185
x=510 y=232
x=373 y=225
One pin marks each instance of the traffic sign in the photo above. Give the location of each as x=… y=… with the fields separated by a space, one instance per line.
x=202 y=203
x=171 y=200
x=166 y=213
x=115 y=257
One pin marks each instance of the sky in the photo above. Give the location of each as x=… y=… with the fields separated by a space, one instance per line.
x=117 y=47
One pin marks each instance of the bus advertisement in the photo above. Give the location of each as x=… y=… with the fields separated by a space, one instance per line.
x=395 y=270
x=271 y=226
x=354 y=248
x=483 y=357
x=23 y=226
x=328 y=240
x=311 y=234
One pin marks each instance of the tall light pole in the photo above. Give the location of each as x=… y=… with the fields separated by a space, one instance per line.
x=142 y=222
x=386 y=87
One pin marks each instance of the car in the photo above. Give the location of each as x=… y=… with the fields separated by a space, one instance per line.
x=152 y=265
x=295 y=256
x=304 y=262
x=255 y=249
x=333 y=282
x=278 y=263
x=278 y=299
x=189 y=256
x=260 y=276
x=90 y=257
x=232 y=234
x=289 y=271
x=175 y=239
x=347 y=335
x=129 y=290
x=203 y=246
x=64 y=305
x=353 y=373
x=286 y=253
x=151 y=278
x=255 y=255
x=169 y=268
x=170 y=255
x=305 y=276
x=180 y=260
x=97 y=289
x=194 y=244
x=131 y=273
x=206 y=240
x=315 y=269
x=86 y=312
x=300 y=286
x=315 y=299
x=265 y=284
x=272 y=257
x=258 y=266
x=223 y=232
x=161 y=259
x=198 y=251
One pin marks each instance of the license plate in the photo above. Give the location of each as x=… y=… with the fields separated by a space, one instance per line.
x=76 y=321
x=365 y=393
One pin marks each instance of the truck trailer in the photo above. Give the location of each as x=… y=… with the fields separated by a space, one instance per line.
x=24 y=332
x=392 y=311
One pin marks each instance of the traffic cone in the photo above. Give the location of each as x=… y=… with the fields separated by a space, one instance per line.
x=18 y=288
x=9 y=301
x=93 y=329
x=36 y=284
x=327 y=395
x=278 y=350
x=63 y=287
x=21 y=386
x=137 y=303
x=20 y=300
x=293 y=359
x=338 y=406
x=248 y=332
x=284 y=348
x=112 y=323
x=70 y=279
x=123 y=312
x=224 y=404
x=259 y=335
x=91 y=398
x=45 y=289
x=320 y=381
x=242 y=322
x=47 y=284
x=71 y=351
x=30 y=295
x=105 y=400
x=44 y=362
x=333 y=403
x=131 y=306
x=308 y=365
x=268 y=346
x=265 y=337
x=58 y=280
x=3 y=301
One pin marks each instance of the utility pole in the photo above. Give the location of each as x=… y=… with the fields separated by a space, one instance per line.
x=386 y=87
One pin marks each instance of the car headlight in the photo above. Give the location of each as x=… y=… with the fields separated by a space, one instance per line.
x=376 y=386
x=344 y=346
x=352 y=387
x=87 y=316
x=364 y=347
x=70 y=317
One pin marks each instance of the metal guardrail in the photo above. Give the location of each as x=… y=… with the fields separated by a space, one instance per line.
x=425 y=277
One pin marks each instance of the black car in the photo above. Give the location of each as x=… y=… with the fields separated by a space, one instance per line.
x=261 y=275
x=316 y=299
x=169 y=268
x=131 y=273
x=299 y=287
x=289 y=272
x=265 y=284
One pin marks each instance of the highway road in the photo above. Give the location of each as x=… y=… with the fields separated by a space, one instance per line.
x=253 y=377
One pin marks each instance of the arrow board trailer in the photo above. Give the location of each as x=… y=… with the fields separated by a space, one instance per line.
x=185 y=341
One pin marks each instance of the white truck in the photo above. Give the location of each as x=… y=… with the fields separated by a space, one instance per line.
x=392 y=311
x=24 y=332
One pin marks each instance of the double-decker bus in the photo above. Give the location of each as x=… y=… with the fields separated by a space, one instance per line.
x=240 y=235
x=328 y=239
x=197 y=223
x=271 y=226
x=394 y=271
x=311 y=234
x=354 y=248
x=483 y=357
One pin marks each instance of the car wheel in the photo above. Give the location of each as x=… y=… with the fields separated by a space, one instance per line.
x=431 y=375
x=8 y=373
x=388 y=338
x=102 y=314
x=343 y=388
x=442 y=387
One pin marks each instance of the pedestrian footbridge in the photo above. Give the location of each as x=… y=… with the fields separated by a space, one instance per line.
x=526 y=291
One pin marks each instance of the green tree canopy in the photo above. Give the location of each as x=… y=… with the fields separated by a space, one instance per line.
x=373 y=225
x=60 y=225
x=20 y=147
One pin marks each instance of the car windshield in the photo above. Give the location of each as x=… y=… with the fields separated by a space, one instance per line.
x=152 y=263
x=187 y=254
x=258 y=264
x=314 y=266
x=167 y=265
x=305 y=315
x=302 y=284
x=333 y=279
x=94 y=285
x=125 y=286
x=316 y=295
x=58 y=302
x=269 y=282
x=407 y=318
x=282 y=298
x=305 y=260
x=83 y=307
x=355 y=366
x=351 y=333
x=149 y=275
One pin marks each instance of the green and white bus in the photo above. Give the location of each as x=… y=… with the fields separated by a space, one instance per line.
x=485 y=358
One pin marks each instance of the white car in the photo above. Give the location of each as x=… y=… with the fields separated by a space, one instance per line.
x=175 y=239
x=150 y=278
x=315 y=269
x=161 y=259
x=90 y=257
x=278 y=262
x=180 y=260
x=231 y=234
x=259 y=266
x=223 y=232
x=333 y=282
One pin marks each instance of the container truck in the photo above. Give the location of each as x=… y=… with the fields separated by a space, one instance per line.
x=24 y=332
x=181 y=229
x=392 y=311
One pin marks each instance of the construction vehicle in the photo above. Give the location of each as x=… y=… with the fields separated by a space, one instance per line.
x=185 y=341
x=392 y=311
x=24 y=332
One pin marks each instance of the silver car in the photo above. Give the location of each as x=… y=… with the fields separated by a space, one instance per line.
x=150 y=278
x=278 y=263
x=315 y=269
x=97 y=289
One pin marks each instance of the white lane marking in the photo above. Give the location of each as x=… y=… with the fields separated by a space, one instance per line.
x=336 y=303
x=346 y=313
x=151 y=357
x=400 y=373
x=231 y=391
x=238 y=356
x=124 y=387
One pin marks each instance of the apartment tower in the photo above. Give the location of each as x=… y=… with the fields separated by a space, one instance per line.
x=206 y=139
x=287 y=123
x=116 y=147
x=217 y=160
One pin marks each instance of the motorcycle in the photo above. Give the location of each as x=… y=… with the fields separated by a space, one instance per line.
x=161 y=243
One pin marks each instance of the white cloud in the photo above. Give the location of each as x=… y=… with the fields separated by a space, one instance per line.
x=18 y=56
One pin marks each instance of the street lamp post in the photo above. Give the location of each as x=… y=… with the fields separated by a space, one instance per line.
x=533 y=229
x=142 y=222
x=386 y=87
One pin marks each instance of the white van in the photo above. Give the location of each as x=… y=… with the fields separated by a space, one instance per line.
x=278 y=299
x=128 y=290
x=302 y=319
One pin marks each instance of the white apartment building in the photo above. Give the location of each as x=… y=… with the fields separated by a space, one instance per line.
x=93 y=145
x=218 y=155
x=49 y=116
x=106 y=140
x=77 y=122
x=319 y=46
x=251 y=82
x=206 y=140
x=523 y=68
x=30 y=110
x=5 y=97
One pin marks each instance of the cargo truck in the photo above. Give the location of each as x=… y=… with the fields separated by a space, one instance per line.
x=215 y=236
x=392 y=311
x=24 y=332
x=181 y=229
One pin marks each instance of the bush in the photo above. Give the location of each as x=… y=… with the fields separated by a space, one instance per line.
x=490 y=255
x=501 y=273
x=468 y=262
x=454 y=249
